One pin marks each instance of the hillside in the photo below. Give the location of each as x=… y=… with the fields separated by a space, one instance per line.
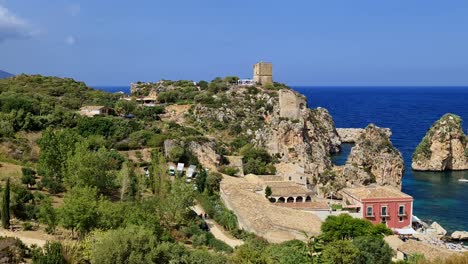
x=4 y=74
x=100 y=186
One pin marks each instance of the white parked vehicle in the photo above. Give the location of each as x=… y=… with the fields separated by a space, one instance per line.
x=180 y=168
x=171 y=170
x=191 y=171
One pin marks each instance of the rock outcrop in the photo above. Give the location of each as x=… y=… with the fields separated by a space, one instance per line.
x=298 y=135
x=374 y=160
x=205 y=153
x=459 y=235
x=351 y=135
x=444 y=147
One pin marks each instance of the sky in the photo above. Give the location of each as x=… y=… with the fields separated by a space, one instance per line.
x=309 y=42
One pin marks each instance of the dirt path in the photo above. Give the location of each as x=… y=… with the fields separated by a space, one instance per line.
x=217 y=230
x=28 y=237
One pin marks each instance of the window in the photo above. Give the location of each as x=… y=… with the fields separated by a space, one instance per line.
x=384 y=220
x=384 y=211
x=289 y=177
x=401 y=219
x=369 y=211
x=401 y=210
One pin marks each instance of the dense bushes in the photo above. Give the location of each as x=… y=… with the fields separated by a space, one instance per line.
x=257 y=161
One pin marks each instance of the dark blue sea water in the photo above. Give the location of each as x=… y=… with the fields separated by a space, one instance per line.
x=409 y=112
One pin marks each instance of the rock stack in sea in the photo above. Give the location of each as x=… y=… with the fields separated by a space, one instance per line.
x=374 y=159
x=444 y=147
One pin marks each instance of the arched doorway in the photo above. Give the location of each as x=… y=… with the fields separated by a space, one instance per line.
x=308 y=199
x=299 y=199
x=281 y=200
x=290 y=200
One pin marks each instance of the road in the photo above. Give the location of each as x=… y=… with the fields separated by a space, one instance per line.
x=29 y=238
x=218 y=231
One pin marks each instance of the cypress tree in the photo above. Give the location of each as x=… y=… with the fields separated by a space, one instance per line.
x=6 y=206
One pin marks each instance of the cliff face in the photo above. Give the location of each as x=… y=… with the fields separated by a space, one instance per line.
x=299 y=135
x=445 y=147
x=374 y=159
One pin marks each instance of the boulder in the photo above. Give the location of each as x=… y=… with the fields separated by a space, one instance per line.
x=439 y=229
x=444 y=147
x=460 y=235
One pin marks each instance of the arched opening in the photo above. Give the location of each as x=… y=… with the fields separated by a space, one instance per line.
x=308 y=199
x=299 y=199
x=290 y=200
x=281 y=200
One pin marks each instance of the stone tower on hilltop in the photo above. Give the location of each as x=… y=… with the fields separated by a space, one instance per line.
x=263 y=72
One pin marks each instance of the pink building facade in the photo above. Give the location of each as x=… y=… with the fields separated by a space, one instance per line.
x=380 y=204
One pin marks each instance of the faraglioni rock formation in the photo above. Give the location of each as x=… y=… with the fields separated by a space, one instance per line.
x=374 y=160
x=444 y=147
x=299 y=135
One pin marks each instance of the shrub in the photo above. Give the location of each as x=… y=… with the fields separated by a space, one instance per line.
x=51 y=253
x=231 y=171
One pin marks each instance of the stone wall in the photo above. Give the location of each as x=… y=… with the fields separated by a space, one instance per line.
x=263 y=73
x=291 y=104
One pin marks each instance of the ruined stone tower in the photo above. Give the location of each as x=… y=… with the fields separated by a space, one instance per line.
x=263 y=72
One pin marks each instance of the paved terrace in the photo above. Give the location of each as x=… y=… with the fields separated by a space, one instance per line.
x=257 y=214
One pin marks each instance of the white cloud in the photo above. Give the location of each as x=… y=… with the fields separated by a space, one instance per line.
x=12 y=26
x=70 y=40
x=74 y=9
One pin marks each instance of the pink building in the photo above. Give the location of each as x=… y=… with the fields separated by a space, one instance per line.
x=381 y=204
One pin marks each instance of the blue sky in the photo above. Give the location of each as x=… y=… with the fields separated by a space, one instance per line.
x=310 y=42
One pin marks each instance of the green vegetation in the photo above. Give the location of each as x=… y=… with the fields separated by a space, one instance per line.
x=257 y=161
x=6 y=206
x=423 y=150
x=77 y=177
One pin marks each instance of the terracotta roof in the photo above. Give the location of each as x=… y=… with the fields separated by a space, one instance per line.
x=92 y=107
x=287 y=189
x=373 y=191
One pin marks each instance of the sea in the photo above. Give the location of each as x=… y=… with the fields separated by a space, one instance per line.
x=409 y=112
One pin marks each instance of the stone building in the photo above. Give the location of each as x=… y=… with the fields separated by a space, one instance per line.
x=263 y=73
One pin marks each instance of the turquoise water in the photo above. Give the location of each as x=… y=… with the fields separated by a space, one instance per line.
x=408 y=112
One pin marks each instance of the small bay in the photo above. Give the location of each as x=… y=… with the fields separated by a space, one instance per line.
x=409 y=112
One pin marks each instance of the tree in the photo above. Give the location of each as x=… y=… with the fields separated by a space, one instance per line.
x=55 y=146
x=48 y=215
x=158 y=174
x=176 y=206
x=6 y=206
x=339 y=252
x=373 y=250
x=268 y=191
x=79 y=210
x=176 y=153
x=213 y=182
x=92 y=168
x=129 y=187
x=289 y=252
x=200 y=181
x=203 y=84
x=345 y=226
x=28 y=177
